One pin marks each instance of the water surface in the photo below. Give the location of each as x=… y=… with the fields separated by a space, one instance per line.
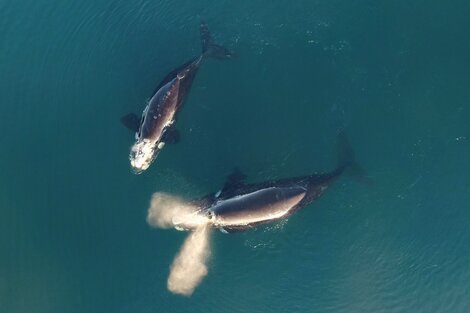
x=394 y=74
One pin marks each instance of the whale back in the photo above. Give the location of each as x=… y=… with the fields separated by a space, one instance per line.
x=257 y=207
x=160 y=111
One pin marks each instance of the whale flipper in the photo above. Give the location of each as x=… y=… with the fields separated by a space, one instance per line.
x=211 y=49
x=131 y=121
x=171 y=135
x=235 y=180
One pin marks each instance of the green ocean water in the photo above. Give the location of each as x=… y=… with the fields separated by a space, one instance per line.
x=393 y=74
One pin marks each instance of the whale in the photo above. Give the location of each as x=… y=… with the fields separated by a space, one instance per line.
x=240 y=206
x=156 y=126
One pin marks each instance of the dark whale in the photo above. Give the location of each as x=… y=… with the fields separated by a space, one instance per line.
x=240 y=206
x=156 y=126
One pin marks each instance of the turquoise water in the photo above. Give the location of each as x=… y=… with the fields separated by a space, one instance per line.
x=394 y=74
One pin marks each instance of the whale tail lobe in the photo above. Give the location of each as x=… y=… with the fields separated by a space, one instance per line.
x=347 y=160
x=211 y=49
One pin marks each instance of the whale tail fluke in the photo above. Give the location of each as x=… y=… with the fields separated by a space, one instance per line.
x=346 y=154
x=347 y=160
x=211 y=49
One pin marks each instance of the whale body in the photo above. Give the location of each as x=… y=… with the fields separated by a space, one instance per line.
x=156 y=126
x=240 y=206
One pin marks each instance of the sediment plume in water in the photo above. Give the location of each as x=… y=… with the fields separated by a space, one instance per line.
x=190 y=265
x=165 y=210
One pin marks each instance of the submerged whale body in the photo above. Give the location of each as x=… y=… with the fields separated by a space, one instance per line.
x=240 y=206
x=156 y=126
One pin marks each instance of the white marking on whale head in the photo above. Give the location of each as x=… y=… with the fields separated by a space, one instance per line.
x=142 y=154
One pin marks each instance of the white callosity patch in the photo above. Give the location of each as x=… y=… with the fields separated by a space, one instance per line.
x=189 y=266
x=142 y=155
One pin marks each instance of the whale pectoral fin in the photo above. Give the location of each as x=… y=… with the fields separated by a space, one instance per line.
x=171 y=136
x=236 y=177
x=131 y=121
x=235 y=180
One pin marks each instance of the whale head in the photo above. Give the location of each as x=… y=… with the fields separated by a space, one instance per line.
x=142 y=154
